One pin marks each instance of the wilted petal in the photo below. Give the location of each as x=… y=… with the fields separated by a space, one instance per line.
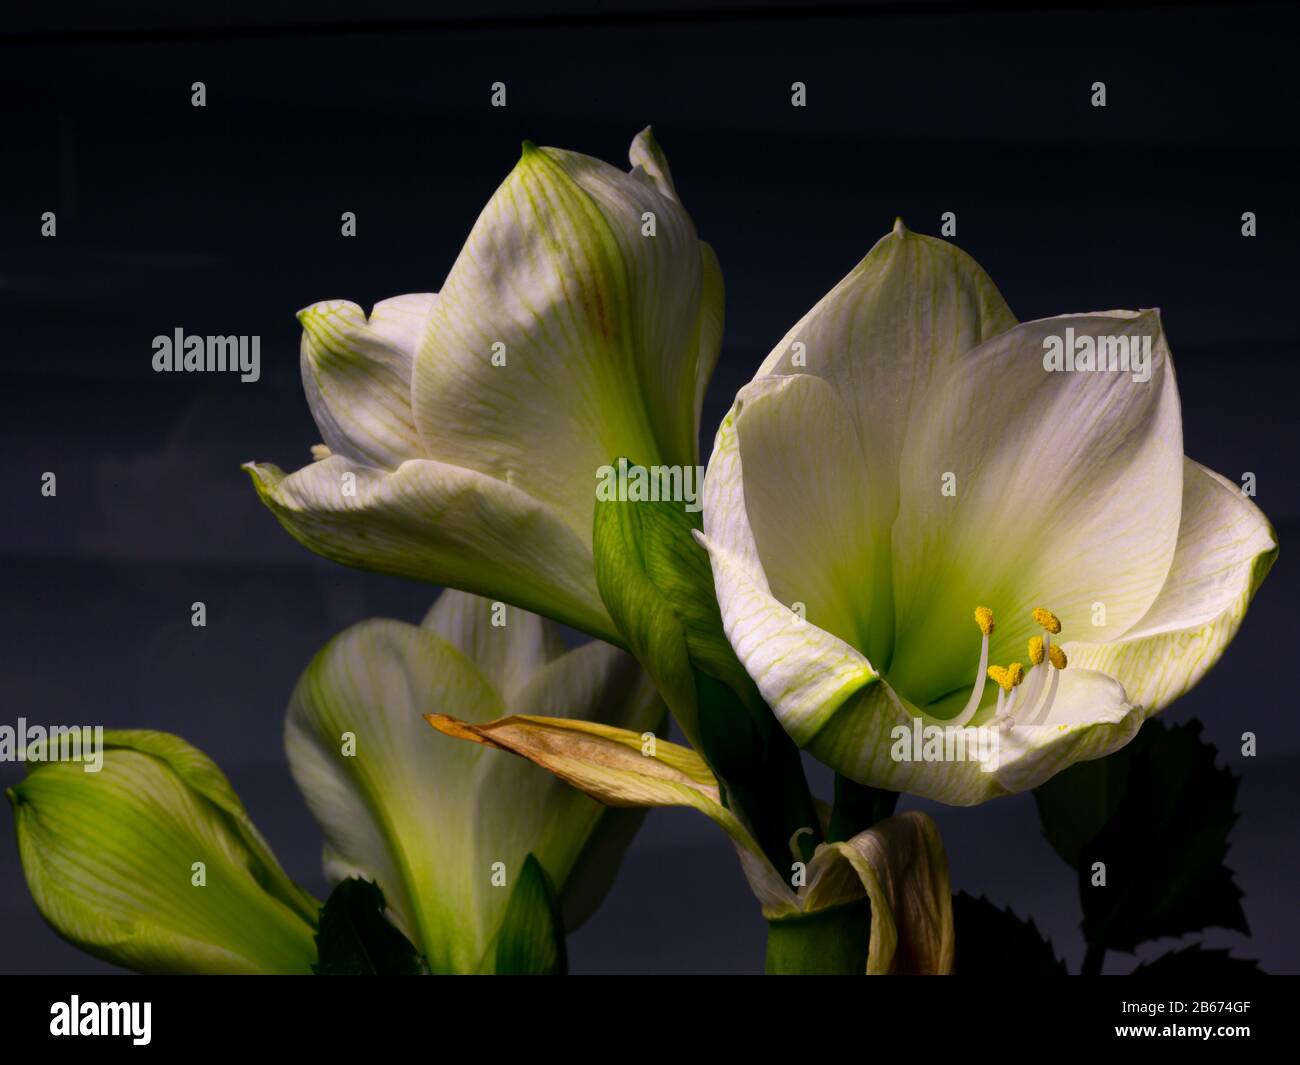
x=617 y=766
x=901 y=866
x=580 y=842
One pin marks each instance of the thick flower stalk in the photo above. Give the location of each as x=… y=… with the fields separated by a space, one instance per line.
x=445 y=828
x=916 y=496
x=464 y=431
x=153 y=864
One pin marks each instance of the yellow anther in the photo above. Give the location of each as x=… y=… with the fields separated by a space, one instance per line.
x=1007 y=677
x=1001 y=676
x=1047 y=620
x=1057 y=656
x=984 y=619
x=1036 y=650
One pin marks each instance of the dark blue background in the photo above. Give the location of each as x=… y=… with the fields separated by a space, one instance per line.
x=226 y=220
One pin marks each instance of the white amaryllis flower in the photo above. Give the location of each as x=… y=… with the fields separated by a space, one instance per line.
x=910 y=496
x=464 y=431
x=444 y=828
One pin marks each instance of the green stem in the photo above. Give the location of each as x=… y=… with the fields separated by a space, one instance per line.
x=857 y=807
x=831 y=942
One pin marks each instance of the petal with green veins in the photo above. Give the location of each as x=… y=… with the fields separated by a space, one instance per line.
x=599 y=325
x=1090 y=717
x=429 y=819
x=110 y=859
x=442 y=524
x=1068 y=492
x=1225 y=549
x=573 y=327
x=357 y=376
x=509 y=646
x=900 y=321
x=378 y=786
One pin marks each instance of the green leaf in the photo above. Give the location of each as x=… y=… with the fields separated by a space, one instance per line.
x=356 y=939
x=1164 y=843
x=995 y=942
x=1196 y=963
x=657 y=584
x=531 y=940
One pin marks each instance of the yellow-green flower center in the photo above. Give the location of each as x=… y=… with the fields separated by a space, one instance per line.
x=1016 y=707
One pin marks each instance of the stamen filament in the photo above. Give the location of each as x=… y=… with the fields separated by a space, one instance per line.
x=984 y=619
x=1038 y=676
x=1041 y=717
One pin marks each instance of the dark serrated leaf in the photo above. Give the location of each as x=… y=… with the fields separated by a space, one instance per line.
x=995 y=942
x=1075 y=805
x=1164 y=845
x=1197 y=962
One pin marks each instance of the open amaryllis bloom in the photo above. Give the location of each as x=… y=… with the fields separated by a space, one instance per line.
x=445 y=828
x=926 y=519
x=464 y=432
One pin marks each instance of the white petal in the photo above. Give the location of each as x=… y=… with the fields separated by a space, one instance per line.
x=579 y=841
x=806 y=501
x=1068 y=491
x=879 y=739
x=646 y=153
x=357 y=376
x=443 y=524
x=899 y=322
x=400 y=807
x=600 y=328
x=1225 y=548
x=508 y=645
